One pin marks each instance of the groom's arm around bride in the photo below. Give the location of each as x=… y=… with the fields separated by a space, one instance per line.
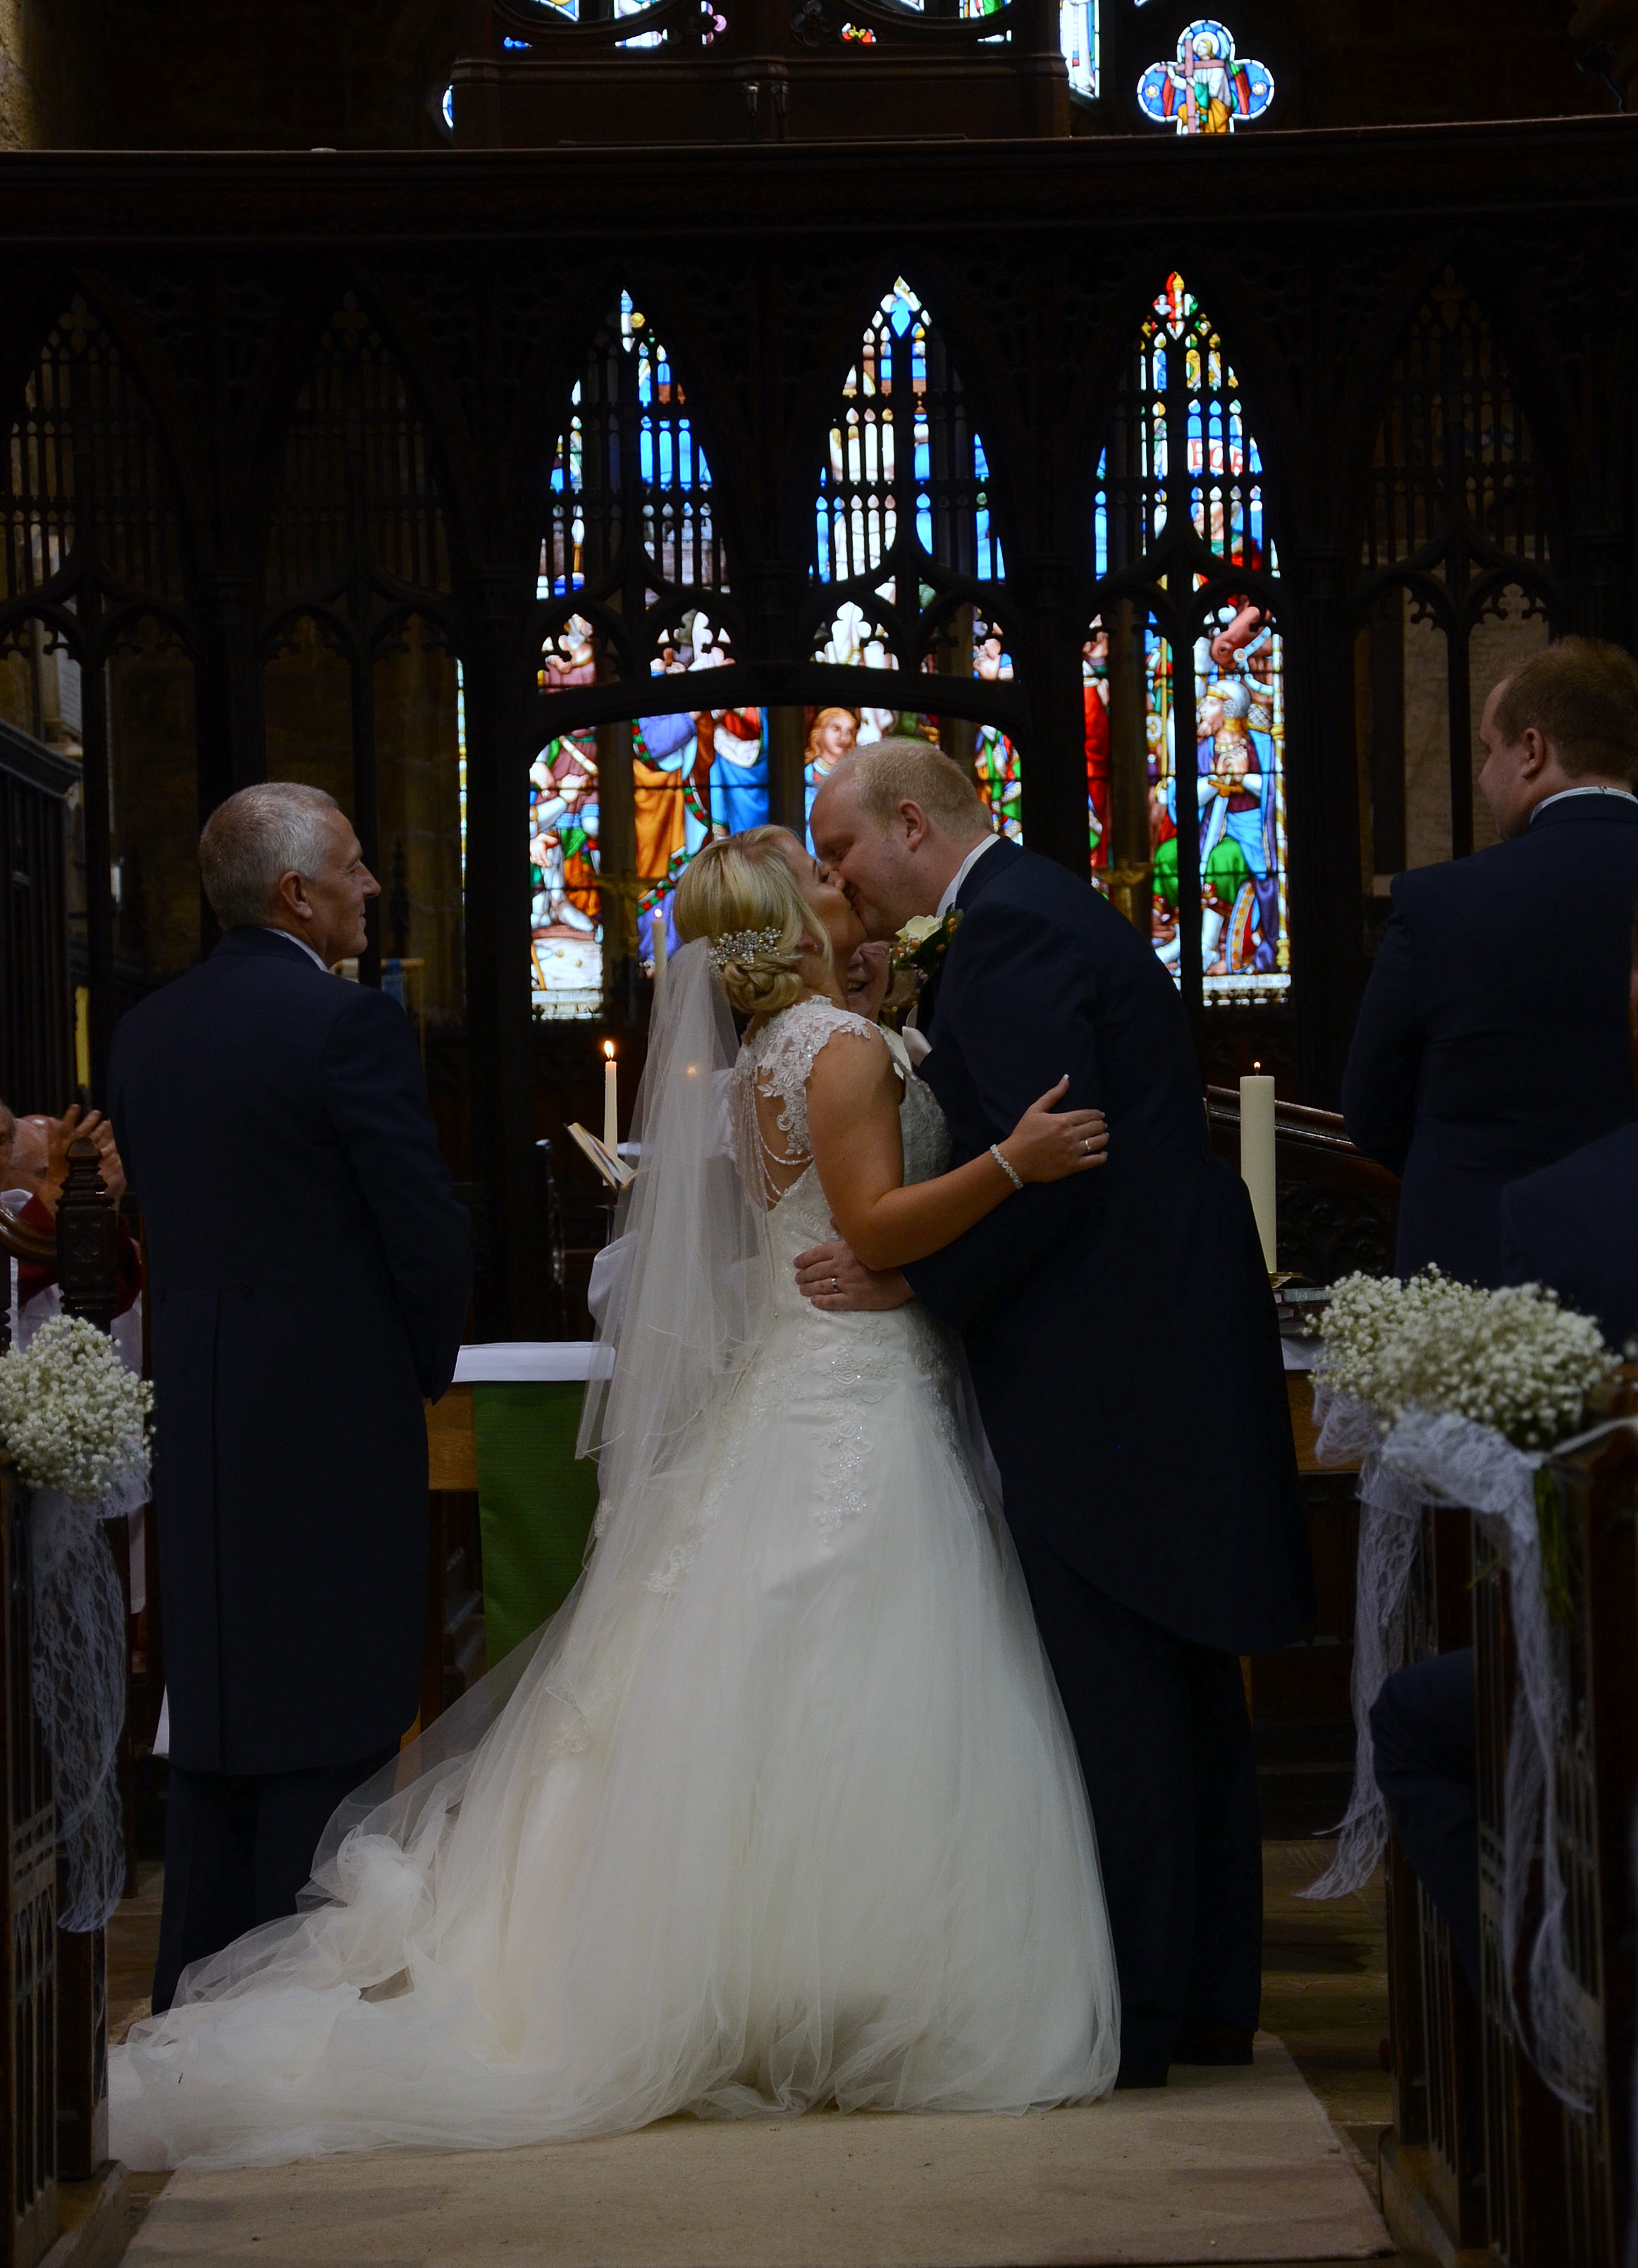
x=1125 y=1352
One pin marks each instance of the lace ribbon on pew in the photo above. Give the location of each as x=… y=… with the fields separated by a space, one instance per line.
x=1433 y=1459
x=78 y=1681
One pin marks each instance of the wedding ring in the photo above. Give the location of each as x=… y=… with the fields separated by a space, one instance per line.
x=835 y=1287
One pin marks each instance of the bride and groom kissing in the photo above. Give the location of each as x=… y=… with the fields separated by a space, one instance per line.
x=836 y=1780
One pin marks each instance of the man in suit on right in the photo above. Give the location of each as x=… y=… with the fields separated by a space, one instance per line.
x=1492 y=1040
x=1574 y=1224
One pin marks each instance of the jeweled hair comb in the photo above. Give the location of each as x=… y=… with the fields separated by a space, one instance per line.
x=744 y=944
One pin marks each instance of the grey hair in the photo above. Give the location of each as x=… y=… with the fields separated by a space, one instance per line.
x=256 y=838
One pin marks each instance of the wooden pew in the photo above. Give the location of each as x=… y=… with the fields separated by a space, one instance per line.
x=1485 y=2163
x=28 y=1883
x=54 y=2107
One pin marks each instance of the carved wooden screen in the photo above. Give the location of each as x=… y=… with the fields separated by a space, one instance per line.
x=909 y=554
x=96 y=637
x=633 y=588
x=1184 y=669
x=1458 y=584
x=360 y=677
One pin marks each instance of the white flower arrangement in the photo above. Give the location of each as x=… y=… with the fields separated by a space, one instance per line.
x=73 y=1418
x=1513 y=1359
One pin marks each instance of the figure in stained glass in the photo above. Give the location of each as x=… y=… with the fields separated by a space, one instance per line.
x=1095 y=707
x=831 y=736
x=1208 y=89
x=564 y=948
x=1180 y=502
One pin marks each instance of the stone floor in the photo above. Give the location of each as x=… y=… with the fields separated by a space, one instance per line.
x=1325 y=1995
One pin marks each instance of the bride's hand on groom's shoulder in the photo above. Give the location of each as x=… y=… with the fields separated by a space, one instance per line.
x=830 y=1277
x=1048 y=1145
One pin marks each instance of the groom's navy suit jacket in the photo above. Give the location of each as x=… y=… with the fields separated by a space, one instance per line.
x=308 y=1270
x=1122 y=1338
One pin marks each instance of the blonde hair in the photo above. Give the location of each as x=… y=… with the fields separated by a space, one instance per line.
x=744 y=883
x=886 y=773
x=812 y=751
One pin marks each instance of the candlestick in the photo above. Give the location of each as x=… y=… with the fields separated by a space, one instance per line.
x=611 y=1102
x=1257 y=1155
x=660 y=945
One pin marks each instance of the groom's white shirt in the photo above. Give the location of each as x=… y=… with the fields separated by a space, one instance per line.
x=962 y=870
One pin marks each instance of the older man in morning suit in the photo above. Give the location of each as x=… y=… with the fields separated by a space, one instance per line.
x=308 y=1268
x=1492 y=1036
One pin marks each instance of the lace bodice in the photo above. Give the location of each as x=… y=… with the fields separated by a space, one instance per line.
x=779 y=1058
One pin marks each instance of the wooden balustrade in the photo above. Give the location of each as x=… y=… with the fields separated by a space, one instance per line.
x=1485 y=2163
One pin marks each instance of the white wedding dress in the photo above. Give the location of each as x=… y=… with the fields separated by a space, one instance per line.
x=782 y=1812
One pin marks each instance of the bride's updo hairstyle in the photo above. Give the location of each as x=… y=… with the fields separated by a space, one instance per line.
x=741 y=887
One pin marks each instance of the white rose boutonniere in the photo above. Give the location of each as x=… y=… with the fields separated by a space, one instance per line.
x=922 y=944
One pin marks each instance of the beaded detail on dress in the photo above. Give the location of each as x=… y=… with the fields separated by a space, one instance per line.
x=845 y=1362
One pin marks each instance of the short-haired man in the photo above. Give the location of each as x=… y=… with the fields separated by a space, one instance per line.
x=1492 y=1039
x=308 y=1271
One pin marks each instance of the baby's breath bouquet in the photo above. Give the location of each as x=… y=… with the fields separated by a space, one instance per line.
x=73 y=1418
x=1513 y=1359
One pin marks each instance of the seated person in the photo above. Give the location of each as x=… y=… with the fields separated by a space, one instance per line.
x=35 y=1162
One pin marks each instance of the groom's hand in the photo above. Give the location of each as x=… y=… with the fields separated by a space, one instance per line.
x=834 y=1280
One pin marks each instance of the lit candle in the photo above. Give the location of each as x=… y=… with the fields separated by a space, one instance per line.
x=659 y=933
x=1257 y=1154
x=611 y=1102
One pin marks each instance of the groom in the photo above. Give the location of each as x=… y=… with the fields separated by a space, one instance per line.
x=1126 y=1359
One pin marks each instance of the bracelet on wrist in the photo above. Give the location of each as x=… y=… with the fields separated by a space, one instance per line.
x=1011 y=1173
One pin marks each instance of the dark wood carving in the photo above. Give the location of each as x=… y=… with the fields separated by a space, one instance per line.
x=180 y=320
x=1483 y=2155
x=1337 y=1210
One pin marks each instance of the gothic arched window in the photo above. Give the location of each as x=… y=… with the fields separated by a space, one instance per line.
x=359 y=673
x=1183 y=671
x=907 y=548
x=633 y=587
x=1458 y=581
x=96 y=652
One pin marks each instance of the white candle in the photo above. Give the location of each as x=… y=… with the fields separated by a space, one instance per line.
x=1257 y=1155
x=659 y=934
x=611 y=1101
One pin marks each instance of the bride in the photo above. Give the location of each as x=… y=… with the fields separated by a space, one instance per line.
x=781 y=1809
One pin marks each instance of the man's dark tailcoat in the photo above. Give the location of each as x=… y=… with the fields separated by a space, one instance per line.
x=1492 y=1040
x=1575 y=1225
x=1127 y=1359
x=308 y=1273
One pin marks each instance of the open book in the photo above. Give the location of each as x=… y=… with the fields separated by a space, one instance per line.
x=614 y=1170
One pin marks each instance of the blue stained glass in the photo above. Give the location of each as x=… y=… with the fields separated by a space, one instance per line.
x=1225 y=702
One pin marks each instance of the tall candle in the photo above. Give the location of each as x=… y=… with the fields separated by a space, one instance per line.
x=611 y=1101
x=1257 y=1155
x=660 y=942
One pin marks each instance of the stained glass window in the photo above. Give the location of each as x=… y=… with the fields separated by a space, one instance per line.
x=903 y=529
x=1180 y=509
x=631 y=576
x=1207 y=87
